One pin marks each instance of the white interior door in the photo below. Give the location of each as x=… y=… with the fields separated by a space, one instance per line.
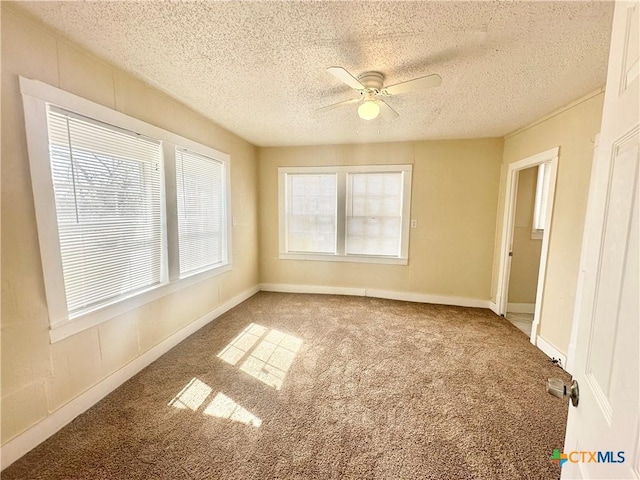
x=607 y=360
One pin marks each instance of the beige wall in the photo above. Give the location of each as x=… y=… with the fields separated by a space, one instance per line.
x=573 y=130
x=454 y=200
x=37 y=377
x=525 y=263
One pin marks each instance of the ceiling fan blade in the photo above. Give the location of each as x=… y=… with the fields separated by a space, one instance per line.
x=415 y=84
x=386 y=111
x=336 y=105
x=345 y=77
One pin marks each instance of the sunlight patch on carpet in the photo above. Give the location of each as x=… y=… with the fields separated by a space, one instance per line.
x=192 y=395
x=239 y=346
x=269 y=360
x=224 y=407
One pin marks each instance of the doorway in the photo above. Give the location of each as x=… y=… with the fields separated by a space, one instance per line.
x=527 y=245
x=530 y=188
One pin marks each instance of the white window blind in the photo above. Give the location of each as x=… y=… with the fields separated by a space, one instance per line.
x=542 y=196
x=311 y=213
x=374 y=213
x=106 y=182
x=200 y=190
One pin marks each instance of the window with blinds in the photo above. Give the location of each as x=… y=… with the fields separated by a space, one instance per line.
x=345 y=213
x=200 y=191
x=542 y=196
x=311 y=213
x=115 y=231
x=107 y=186
x=374 y=213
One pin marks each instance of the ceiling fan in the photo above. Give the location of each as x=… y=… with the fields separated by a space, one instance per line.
x=372 y=92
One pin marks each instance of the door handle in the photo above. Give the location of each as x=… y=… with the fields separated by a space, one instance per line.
x=556 y=387
x=574 y=393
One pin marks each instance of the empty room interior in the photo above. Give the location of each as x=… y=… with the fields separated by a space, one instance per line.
x=381 y=240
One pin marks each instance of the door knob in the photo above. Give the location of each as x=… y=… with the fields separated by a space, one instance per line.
x=556 y=387
x=574 y=393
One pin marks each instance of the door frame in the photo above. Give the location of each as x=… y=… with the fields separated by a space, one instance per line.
x=508 y=221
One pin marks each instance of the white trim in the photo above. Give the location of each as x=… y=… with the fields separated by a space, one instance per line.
x=26 y=441
x=493 y=307
x=36 y=98
x=557 y=112
x=35 y=114
x=344 y=258
x=313 y=289
x=106 y=312
x=521 y=307
x=506 y=243
x=426 y=298
x=551 y=351
x=347 y=168
x=341 y=173
x=370 y=292
x=84 y=107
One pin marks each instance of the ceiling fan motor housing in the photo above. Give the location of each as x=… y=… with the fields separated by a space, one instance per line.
x=372 y=80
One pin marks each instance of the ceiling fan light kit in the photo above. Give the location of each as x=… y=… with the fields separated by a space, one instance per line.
x=368 y=110
x=370 y=86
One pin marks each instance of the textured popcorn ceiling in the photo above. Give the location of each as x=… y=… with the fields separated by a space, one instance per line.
x=258 y=68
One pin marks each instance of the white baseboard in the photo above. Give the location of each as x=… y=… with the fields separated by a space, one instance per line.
x=316 y=289
x=23 y=443
x=493 y=306
x=426 y=298
x=367 y=292
x=521 y=307
x=551 y=351
x=26 y=441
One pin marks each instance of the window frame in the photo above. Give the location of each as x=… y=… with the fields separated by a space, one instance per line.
x=224 y=221
x=78 y=155
x=36 y=97
x=342 y=173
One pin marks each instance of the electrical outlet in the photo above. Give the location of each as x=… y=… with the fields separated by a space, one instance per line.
x=414 y=223
x=234 y=221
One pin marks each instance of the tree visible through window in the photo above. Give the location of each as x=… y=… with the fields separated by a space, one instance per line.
x=107 y=194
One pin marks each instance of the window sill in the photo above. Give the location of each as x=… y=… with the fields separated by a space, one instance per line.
x=109 y=311
x=344 y=258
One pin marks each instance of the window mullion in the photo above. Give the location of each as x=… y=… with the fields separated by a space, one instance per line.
x=341 y=220
x=171 y=213
x=406 y=212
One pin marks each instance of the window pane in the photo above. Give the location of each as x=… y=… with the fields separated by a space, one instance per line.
x=311 y=213
x=201 y=211
x=108 y=204
x=374 y=213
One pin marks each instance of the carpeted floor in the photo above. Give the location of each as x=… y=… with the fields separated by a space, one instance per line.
x=324 y=387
